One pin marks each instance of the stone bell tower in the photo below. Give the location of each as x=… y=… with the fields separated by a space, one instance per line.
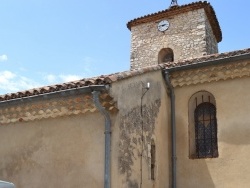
x=177 y=33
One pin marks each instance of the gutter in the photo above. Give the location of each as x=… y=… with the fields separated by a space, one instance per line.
x=95 y=90
x=107 y=133
x=173 y=128
x=232 y=59
x=55 y=94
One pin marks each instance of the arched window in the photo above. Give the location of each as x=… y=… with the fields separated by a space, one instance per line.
x=202 y=126
x=206 y=130
x=165 y=55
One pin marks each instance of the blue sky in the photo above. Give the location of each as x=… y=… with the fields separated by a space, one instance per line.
x=44 y=42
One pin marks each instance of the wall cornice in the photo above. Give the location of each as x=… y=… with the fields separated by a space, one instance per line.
x=53 y=108
x=210 y=74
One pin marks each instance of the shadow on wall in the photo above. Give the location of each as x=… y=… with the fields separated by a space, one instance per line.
x=236 y=133
x=191 y=173
x=198 y=175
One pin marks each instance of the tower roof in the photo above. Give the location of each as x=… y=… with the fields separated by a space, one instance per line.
x=175 y=10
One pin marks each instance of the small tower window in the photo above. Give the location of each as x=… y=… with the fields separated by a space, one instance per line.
x=165 y=55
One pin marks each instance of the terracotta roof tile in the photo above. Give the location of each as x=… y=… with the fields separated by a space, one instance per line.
x=208 y=58
x=179 y=10
x=108 y=79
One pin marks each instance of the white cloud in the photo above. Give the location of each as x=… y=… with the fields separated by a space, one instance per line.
x=87 y=66
x=50 y=78
x=5 y=76
x=3 y=57
x=11 y=82
x=68 y=78
x=53 y=79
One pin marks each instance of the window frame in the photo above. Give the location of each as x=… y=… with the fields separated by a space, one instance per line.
x=195 y=100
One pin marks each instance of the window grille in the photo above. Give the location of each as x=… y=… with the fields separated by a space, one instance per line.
x=206 y=130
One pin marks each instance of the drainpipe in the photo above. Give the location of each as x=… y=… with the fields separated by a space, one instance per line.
x=173 y=128
x=107 y=133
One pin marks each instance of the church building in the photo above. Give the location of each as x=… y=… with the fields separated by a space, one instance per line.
x=176 y=119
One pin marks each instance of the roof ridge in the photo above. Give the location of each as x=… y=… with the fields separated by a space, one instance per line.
x=110 y=78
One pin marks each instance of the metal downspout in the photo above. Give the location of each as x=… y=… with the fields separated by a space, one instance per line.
x=173 y=128
x=107 y=132
x=55 y=94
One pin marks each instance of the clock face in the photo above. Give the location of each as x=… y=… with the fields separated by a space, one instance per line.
x=163 y=25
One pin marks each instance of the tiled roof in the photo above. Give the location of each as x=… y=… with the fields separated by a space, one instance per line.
x=108 y=79
x=101 y=80
x=66 y=106
x=212 y=57
x=175 y=10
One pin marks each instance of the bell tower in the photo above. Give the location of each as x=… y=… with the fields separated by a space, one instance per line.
x=177 y=33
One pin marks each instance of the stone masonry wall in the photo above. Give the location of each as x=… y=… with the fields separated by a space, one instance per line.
x=211 y=42
x=189 y=35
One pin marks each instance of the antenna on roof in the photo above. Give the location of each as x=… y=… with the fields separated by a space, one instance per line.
x=173 y=3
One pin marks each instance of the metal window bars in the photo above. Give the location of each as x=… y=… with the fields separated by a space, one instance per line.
x=206 y=131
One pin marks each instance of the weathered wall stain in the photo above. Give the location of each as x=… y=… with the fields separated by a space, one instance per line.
x=131 y=135
x=133 y=184
x=21 y=158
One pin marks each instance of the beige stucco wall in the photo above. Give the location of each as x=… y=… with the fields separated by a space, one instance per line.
x=57 y=143
x=232 y=168
x=55 y=152
x=68 y=151
x=127 y=144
